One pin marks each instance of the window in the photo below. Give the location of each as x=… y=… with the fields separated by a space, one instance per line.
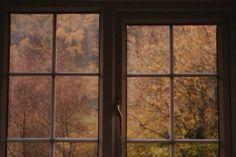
x=171 y=85
x=172 y=106
x=53 y=85
x=112 y=80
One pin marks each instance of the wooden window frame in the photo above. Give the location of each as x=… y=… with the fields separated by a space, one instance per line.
x=52 y=139
x=113 y=16
x=176 y=18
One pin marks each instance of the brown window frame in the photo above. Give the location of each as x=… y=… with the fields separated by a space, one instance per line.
x=113 y=16
x=175 y=18
x=52 y=139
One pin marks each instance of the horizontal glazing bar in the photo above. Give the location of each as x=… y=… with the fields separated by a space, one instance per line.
x=175 y=75
x=84 y=140
x=197 y=140
x=148 y=141
x=28 y=139
x=52 y=74
x=76 y=140
x=174 y=141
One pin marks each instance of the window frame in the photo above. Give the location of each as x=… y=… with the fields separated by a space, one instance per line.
x=112 y=15
x=52 y=139
x=176 y=18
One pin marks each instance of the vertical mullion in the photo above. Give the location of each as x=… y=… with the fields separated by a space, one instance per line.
x=107 y=84
x=171 y=110
x=52 y=136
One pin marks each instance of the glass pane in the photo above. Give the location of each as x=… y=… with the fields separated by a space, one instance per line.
x=28 y=150
x=147 y=49
x=76 y=106
x=147 y=150
x=77 y=42
x=196 y=109
x=148 y=108
x=195 y=49
x=197 y=150
x=29 y=106
x=31 y=42
x=76 y=150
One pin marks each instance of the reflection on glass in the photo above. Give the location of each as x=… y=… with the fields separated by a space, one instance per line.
x=195 y=48
x=77 y=42
x=29 y=106
x=148 y=108
x=31 y=42
x=147 y=49
x=76 y=106
x=147 y=150
x=196 y=109
x=76 y=150
x=196 y=150
x=28 y=149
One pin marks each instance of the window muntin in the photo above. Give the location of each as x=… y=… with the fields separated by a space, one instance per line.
x=189 y=108
x=66 y=100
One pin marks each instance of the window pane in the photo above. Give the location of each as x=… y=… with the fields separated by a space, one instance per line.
x=77 y=42
x=28 y=150
x=31 y=42
x=147 y=150
x=148 y=108
x=76 y=150
x=147 y=49
x=195 y=108
x=29 y=106
x=76 y=106
x=197 y=150
x=195 y=49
